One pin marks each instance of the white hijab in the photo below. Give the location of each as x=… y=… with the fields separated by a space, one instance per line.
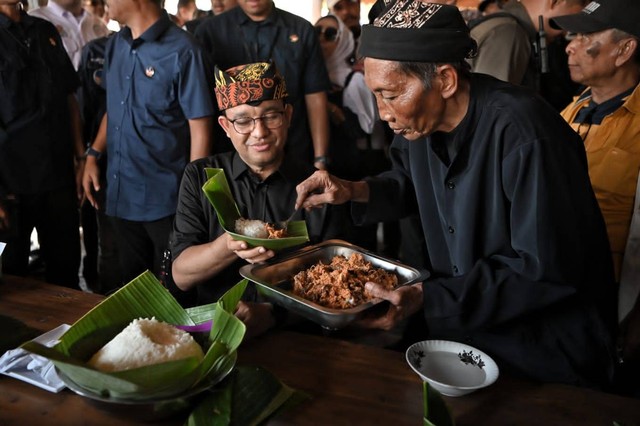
x=337 y=64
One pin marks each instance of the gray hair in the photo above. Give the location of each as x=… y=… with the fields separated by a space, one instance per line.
x=618 y=35
x=426 y=71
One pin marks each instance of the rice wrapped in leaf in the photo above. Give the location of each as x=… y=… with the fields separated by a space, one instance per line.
x=145 y=297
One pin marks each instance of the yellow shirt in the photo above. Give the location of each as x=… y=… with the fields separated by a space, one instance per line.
x=613 y=153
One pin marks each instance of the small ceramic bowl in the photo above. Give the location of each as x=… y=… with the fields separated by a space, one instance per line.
x=454 y=369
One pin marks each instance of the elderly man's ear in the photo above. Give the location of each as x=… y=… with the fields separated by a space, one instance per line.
x=448 y=80
x=626 y=50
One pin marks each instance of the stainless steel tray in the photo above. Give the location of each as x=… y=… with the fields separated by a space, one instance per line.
x=275 y=280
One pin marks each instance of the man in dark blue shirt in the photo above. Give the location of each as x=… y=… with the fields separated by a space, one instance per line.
x=39 y=135
x=257 y=31
x=159 y=111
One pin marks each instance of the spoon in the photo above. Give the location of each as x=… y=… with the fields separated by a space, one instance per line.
x=285 y=223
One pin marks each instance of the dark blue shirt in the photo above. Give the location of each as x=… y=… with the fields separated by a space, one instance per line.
x=155 y=84
x=36 y=78
x=232 y=39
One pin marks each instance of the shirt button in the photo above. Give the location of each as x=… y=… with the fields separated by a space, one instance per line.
x=451 y=230
x=115 y=176
x=127 y=77
x=455 y=269
x=117 y=128
x=451 y=185
x=121 y=102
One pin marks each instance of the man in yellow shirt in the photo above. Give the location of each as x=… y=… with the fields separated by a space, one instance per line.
x=605 y=57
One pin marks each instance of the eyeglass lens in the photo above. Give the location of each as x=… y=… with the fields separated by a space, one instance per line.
x=244 y=126
x=329 y=33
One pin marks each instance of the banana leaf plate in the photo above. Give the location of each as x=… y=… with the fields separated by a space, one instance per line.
x=145 y=297
x=219 y=195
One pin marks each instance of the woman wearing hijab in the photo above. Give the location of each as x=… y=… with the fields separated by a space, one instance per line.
x=356 y=129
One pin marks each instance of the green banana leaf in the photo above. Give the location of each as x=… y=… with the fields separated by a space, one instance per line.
x=145 y=297
x=436 y=411
x=248 y=397
x=216 y=189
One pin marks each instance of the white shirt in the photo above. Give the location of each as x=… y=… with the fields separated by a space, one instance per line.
x=74 y=31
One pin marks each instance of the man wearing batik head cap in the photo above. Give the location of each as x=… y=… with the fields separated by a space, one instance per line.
x=256 y=117
x=518 y=253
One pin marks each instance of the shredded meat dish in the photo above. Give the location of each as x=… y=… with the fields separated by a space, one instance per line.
x=340 y=284
x=274 y=232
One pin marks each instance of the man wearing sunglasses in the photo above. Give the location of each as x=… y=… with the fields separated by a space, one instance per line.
x=256 y=117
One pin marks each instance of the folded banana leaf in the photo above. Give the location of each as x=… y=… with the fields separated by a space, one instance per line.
x=216 y=188
x=436 y=411
x=145 y=297
x=248 y=397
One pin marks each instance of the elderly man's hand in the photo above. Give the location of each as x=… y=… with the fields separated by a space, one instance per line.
x=323 y=188
x=404 y=302
x=250 y=254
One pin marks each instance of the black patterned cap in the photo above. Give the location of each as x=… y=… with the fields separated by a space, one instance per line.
x=414 y=31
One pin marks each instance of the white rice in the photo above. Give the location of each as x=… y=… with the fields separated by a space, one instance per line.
x=145 y=342
x=251 y=228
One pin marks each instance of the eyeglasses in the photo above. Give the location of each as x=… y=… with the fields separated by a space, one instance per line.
x=245 y=125
x=329 y=33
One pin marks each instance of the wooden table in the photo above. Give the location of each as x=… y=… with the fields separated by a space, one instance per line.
x=349 y=383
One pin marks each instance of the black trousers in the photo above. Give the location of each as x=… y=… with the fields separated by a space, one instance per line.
x=141 y=245
x=54 y=214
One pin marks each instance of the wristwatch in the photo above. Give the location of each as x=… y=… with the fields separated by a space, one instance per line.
x=90 y=152
x=322 y=159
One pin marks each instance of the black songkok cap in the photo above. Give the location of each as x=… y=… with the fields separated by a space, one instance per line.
x=413 y=31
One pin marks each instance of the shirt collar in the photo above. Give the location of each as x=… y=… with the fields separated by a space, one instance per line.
x=58 y=10
x=26 y=20
x=594 y=113
x=153 y=33
x=287 y=170
x=243 y=19
x=632 y=102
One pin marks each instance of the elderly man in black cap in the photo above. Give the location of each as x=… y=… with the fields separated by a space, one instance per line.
x=518 y=251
